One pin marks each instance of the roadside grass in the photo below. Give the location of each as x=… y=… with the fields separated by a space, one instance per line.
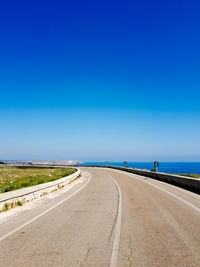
x=16 y=178
x=19 y=203
x=5 y=207
x=192 y=175
x=73 y=180
x=11 y=205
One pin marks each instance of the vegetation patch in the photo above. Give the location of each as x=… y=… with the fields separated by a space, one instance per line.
x=192 y=175
x=16 y=178
x=6 y=207
x=19 y=203
x=73 y=180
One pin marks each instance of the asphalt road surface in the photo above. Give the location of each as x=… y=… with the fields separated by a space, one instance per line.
x=112 y=218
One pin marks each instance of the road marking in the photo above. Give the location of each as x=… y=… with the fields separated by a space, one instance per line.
x=44 y=212
x=173 y=195
x=167 y=192
x=115 y=249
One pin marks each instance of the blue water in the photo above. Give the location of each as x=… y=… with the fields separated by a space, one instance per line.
x=171 y=167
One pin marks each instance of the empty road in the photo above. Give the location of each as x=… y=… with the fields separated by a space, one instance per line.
x=111 y=218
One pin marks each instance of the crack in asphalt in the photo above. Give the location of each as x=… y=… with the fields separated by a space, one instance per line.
x=130 y=256
x=86 y=257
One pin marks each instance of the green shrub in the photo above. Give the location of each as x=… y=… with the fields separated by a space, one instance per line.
x=19 y=203
x=6 y=206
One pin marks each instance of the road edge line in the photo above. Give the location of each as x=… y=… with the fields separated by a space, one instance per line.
x=115 y=249
x=167 y=192
x=174 y=196
x=44 y=212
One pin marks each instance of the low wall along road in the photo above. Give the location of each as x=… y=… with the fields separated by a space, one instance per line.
x=191 y=184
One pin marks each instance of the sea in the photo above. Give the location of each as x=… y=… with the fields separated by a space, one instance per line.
x=170 y=167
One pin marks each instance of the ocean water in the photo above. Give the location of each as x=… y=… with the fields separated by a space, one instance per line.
x=171 y=167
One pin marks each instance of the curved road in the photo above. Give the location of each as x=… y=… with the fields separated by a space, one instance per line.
x=112 y=218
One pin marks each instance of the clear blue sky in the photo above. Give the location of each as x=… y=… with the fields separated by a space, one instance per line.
x=100 y=80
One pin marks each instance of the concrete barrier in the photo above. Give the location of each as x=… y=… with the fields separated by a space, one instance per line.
x=191 y=184
x=29 y=193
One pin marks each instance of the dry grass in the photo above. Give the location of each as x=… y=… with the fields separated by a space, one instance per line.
x=15 y=178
